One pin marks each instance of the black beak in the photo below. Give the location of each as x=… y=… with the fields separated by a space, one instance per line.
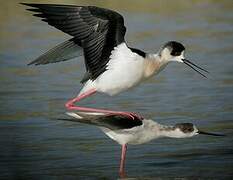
x=192 y=65
x=210 y=134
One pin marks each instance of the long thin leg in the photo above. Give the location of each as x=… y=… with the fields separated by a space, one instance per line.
x=70 y=106
x=122 y=164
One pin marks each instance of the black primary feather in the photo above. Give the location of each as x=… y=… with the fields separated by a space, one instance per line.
x=62 y=52
x=112 y=122
x=96 y=30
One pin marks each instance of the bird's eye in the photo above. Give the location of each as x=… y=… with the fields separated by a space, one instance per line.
x=175 y=53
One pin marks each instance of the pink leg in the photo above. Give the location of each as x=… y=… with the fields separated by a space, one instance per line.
x=122 y=164
x=70 y=106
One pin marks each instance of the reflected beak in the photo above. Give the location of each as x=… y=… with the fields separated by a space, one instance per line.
x=210 y=134
x=192 y=65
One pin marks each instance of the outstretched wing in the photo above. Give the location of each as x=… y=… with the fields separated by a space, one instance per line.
x=113 y=122
x=62 y=52
x=96 y=30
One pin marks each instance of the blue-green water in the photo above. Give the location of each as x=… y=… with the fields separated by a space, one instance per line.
x=36 y=146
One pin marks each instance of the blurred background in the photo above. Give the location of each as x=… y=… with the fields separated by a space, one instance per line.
x=34 y=145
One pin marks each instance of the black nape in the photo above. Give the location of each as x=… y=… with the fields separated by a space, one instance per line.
x=175 y=47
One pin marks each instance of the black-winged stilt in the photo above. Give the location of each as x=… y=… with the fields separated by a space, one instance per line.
x=124 y=130
x=111 y=65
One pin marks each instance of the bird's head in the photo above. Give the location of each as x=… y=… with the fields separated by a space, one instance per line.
x=174 y=51
x=184 y=130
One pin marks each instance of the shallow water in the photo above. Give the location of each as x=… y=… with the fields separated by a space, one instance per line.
x=34 y=145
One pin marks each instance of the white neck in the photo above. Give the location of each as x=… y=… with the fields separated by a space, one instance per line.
x=172 y=132
x=153 y=64
x=156 y=130
x=155 y=57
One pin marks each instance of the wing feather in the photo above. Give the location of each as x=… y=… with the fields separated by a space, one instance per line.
x=112 y=122
x=62 y=52
x=96 y=30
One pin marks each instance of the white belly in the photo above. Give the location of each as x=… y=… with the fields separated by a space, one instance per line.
x=124 y=71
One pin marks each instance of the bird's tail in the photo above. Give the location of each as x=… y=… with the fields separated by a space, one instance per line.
x=62 y=52
x=84 y=117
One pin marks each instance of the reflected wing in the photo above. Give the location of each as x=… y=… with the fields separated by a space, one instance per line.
x=96 y=30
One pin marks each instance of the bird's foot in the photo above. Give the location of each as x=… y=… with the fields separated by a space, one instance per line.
x=131 y=115
x=70 y=106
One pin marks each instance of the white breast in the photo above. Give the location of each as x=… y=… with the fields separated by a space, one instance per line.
x=124 y=71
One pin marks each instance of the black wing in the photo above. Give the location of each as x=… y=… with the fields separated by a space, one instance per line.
x=96 y=30
x=62 y=52
x=113 y=122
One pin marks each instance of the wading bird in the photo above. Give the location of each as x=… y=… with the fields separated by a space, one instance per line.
x=111 y=65
x=124 y=130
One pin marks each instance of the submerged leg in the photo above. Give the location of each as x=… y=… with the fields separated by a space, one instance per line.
x=70 y=106
x=122 y=164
